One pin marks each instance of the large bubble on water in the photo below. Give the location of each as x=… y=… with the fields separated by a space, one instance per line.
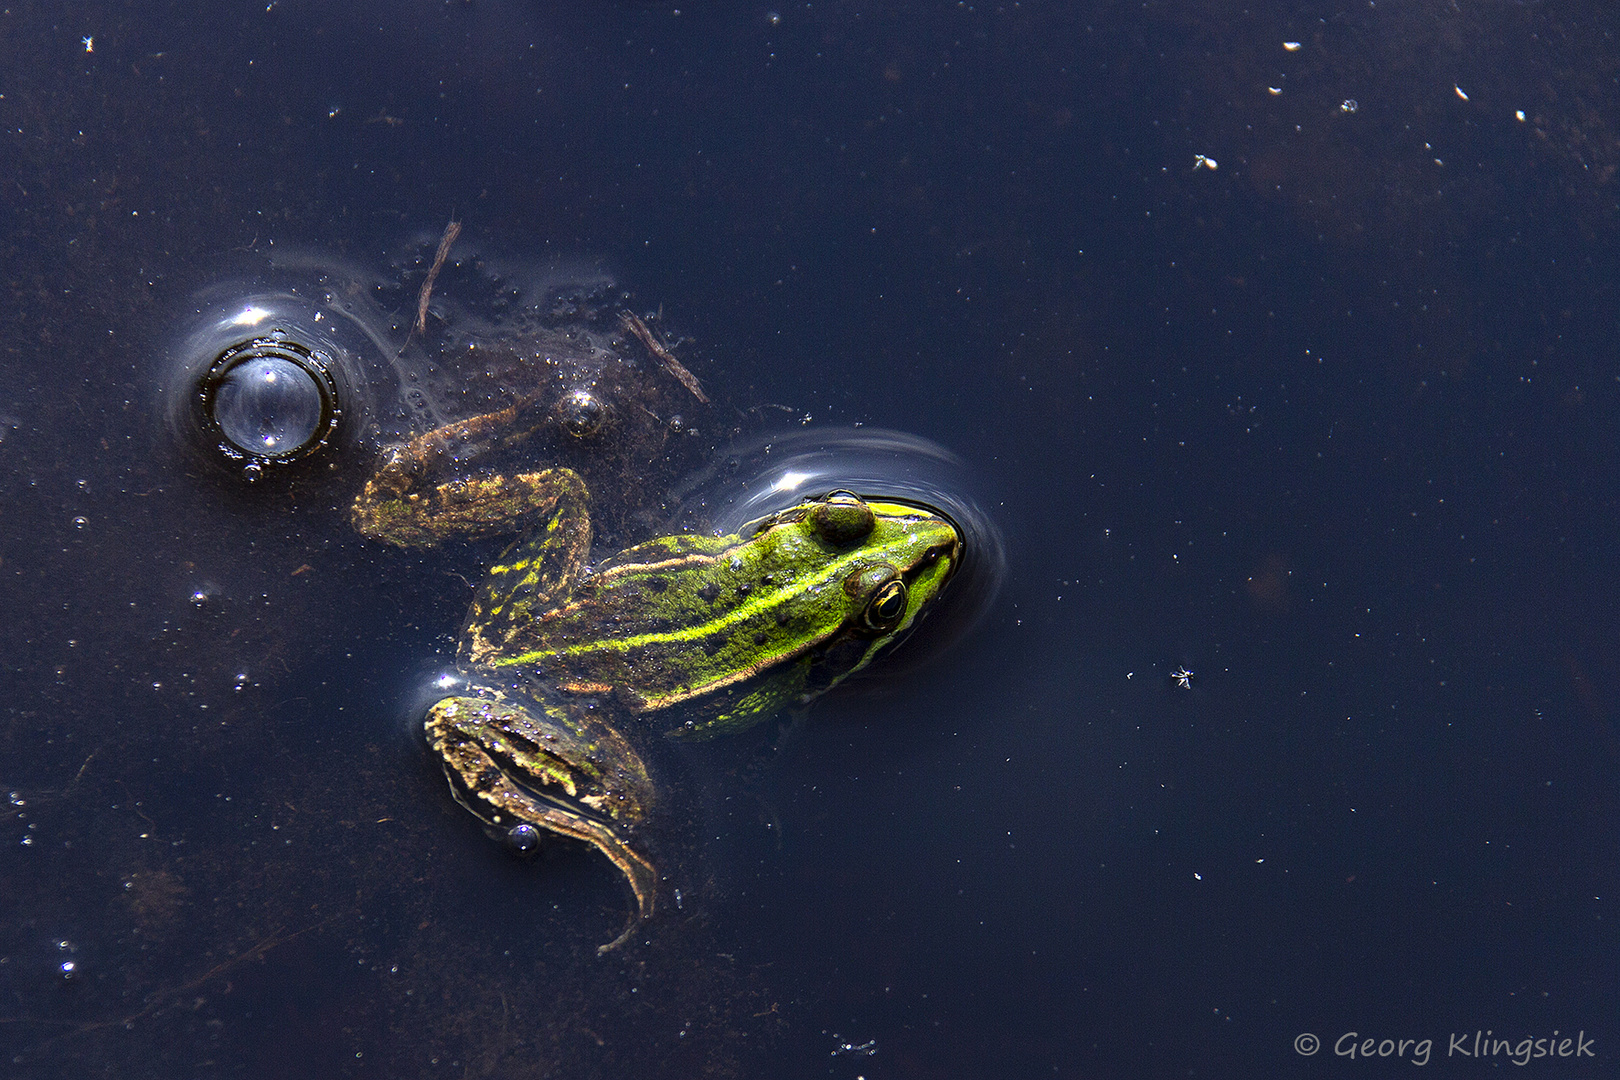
x=269 y=406
x=270 y=366
x=286 y=362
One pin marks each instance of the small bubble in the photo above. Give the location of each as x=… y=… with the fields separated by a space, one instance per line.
x=199 y=597
x=68 y=969
x=80 y=522
x=1349 y=105
x=523 y=839
x=83 y=485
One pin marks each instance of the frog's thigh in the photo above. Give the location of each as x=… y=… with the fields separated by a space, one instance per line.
x=389 y=509
x=487 y=505
x=537 y=570
x=475 y=775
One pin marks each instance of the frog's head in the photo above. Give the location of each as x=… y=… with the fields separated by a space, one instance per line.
x=858 y=574
x=773 y=615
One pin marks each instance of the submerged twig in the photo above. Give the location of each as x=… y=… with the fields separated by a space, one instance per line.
x=634 y=324
x=451 y=231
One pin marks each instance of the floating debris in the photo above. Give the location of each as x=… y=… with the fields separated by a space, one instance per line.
x=451 y=231
x=634 y=324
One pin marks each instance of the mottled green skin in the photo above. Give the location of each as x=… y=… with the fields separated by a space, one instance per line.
x=719 y=619
x=731 y=628
x=556 y=767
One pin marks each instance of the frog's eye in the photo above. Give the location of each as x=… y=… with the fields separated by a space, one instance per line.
x=885 y=591
x=884 y=610
x=842 y=518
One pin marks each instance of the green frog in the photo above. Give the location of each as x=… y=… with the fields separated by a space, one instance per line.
x=687 y=636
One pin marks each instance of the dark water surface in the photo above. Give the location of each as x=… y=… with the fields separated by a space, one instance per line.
x=1330 y=424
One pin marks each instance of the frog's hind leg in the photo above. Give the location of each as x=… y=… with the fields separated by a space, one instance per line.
x=535 y=571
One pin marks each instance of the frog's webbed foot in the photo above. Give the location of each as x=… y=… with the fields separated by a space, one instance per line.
x=467 y=439
x=484 y=744
x=452 y=444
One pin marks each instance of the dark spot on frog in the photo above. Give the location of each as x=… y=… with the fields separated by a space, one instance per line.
x=760 y=638
x=782 y=617
x=657 y=584
x=709 y=593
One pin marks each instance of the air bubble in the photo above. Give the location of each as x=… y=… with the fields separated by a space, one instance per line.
x=523 y=839
x=581 y=413
x=268 y=406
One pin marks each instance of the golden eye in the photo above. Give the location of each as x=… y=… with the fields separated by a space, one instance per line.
x=887 y=605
